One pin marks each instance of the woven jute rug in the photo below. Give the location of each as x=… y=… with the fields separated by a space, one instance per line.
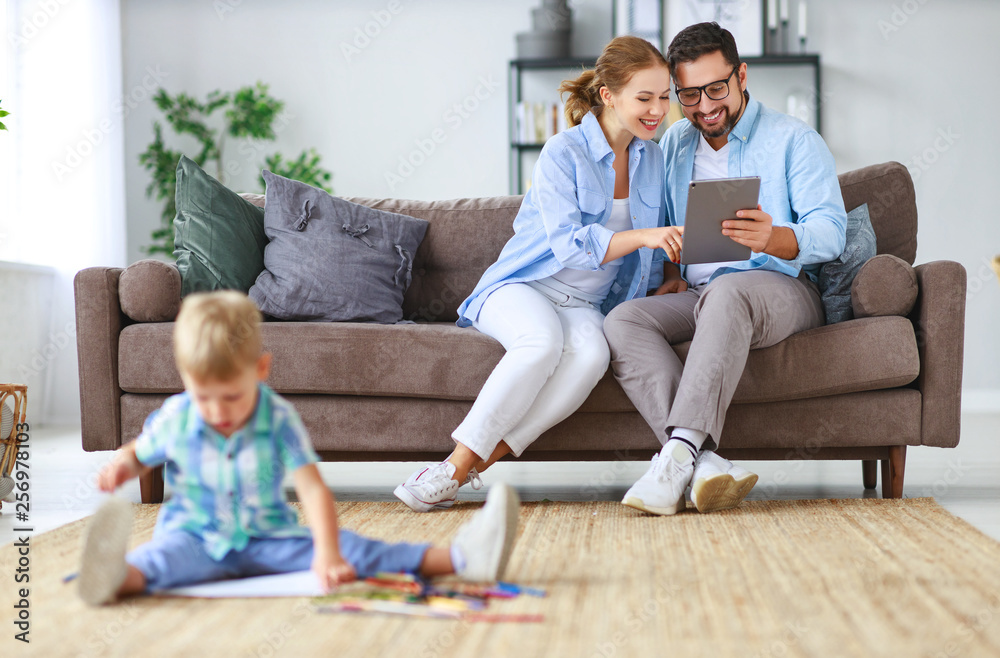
x=771 y=578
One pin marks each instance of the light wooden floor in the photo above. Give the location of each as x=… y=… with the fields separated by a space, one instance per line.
x=965 y=480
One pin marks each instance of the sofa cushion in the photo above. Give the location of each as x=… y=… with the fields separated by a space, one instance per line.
x=150 y=291
x=857 y=355
x=836 y=277
x=439 y=360
x=885 y=285
x=218 y=237
x=333 y=260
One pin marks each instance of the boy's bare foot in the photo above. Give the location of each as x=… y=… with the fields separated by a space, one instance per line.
x=102 y=564
x=486 y=541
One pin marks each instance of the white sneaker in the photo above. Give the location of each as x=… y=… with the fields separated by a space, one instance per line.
x=487 y=539
x=718 y=483
x=433 y=487
x=102 y=565
x=661 y=489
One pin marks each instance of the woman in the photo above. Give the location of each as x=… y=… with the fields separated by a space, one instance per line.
x=583 y=243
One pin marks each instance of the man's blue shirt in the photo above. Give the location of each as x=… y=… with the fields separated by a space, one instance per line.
x=798 y=184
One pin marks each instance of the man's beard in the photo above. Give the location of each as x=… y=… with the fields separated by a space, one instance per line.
x=725 y=127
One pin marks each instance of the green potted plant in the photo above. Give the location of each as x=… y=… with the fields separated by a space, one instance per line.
x=249 y=113
x=3 y=113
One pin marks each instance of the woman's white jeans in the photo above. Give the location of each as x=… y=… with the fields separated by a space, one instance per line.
x=556 y=354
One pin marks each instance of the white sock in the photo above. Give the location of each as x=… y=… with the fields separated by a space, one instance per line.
x=692 y=440
x=457 y=559
x=695 y=437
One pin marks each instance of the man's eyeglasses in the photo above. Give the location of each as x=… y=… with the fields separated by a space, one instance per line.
x=716 y=91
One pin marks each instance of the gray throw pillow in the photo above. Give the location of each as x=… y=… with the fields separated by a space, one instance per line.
x=332 y=260
x=836 y=277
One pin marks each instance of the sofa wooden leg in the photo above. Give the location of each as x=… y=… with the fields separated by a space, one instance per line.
x=869 y=473
x=892 y=472
x=151 y=486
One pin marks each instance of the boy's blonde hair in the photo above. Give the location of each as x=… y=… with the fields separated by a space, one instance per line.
x=217 y=335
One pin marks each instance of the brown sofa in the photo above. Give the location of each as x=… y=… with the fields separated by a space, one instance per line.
x=863 y=389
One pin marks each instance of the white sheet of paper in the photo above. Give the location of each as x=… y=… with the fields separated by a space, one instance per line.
x=296 y=583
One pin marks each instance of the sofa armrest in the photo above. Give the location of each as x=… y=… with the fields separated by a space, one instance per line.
x=99 y=321
x=939 y=323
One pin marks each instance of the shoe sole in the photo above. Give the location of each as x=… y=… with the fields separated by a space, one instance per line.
x=102 y=565
x=637 y=503
x=418 y=505
x=512 y=513
x=721 y=491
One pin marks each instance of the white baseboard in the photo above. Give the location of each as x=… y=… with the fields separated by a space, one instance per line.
x=981 y=400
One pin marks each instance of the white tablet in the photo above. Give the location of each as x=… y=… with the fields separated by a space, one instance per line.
x=711 y=202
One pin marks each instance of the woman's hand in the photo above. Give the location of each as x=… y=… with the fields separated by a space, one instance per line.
x=668 y=238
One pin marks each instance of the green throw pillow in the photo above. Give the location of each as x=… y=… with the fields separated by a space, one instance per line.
x=218 y=236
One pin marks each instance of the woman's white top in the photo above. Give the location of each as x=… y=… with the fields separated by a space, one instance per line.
x=593 y=286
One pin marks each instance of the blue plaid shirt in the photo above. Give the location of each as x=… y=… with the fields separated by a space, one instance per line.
x=798 y=184
x=561 y=221
x=227 y=490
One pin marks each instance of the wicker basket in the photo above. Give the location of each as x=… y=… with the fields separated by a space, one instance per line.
x=18 y=395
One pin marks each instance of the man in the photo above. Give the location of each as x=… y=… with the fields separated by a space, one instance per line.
x=724 y=309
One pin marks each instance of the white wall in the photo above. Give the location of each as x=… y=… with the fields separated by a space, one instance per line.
x=64 y=205
x=915 y=87
x=363 y=111
x=884 y=95
x=29 y=343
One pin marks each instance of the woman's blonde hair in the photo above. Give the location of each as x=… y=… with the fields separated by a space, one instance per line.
x=620 y=60
x=217 y=335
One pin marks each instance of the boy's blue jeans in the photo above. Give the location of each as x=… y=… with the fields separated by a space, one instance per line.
x=178 y=558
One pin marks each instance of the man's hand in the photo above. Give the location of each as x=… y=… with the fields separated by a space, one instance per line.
x=753 y=229
x=331 y=569
x=672 y=285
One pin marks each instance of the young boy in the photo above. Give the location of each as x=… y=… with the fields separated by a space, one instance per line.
x=225 y=444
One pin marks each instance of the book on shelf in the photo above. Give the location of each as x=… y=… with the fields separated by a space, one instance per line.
x=536 y=122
